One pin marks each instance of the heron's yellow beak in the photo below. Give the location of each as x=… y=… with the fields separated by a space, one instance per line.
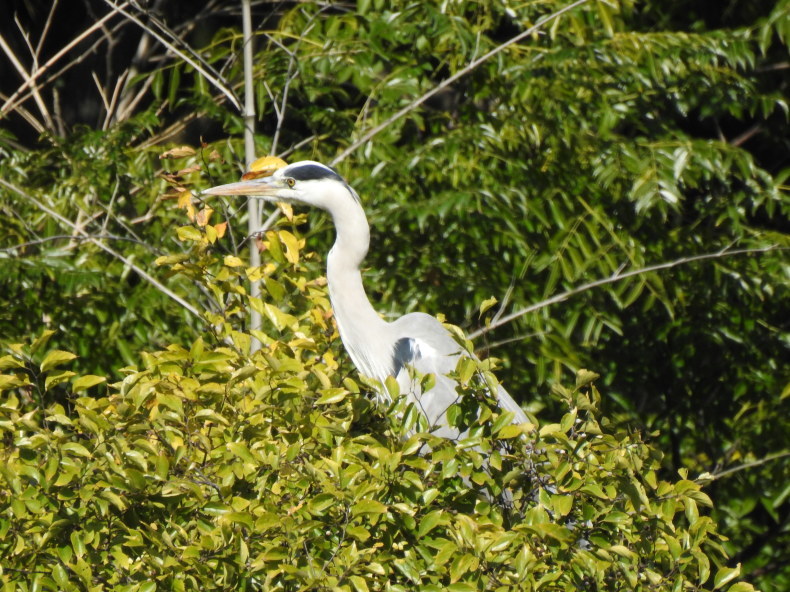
x=256 y=182
x=265 y=187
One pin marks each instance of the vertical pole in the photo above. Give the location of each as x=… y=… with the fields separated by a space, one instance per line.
x=253 y=218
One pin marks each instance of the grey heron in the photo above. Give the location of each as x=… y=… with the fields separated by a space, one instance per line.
x=378 y=348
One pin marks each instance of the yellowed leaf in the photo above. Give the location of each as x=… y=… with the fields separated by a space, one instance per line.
x=203 y=216
x=178 y=152
x=287 y=210
x=190 y=169
x=56 y=358
x=221 y=228
x=185 y=203
x=267 y=163
x=291 y=246
x=232 y=261
x=185 y=199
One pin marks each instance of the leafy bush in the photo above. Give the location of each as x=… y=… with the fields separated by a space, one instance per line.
x=209 y=468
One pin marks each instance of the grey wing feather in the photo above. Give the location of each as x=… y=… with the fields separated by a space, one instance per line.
x=430 y=349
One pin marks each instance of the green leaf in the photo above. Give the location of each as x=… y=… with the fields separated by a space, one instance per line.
x=487 y=304
x=368 y=506
x=510 y=431
x=330 y=396
x=55 y=358
x=85 y=382
x=725 y=575
x=41 y=341
x=430 y=521
x=189 y=233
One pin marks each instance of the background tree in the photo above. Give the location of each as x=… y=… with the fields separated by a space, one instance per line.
x=620 y=136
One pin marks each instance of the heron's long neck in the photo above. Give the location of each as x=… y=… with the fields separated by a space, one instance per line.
x=365 y=335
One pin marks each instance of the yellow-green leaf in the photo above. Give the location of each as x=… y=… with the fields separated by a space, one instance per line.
x=332 y=395
x=233 y=261
x=55 y=358
x=368 y=506
x=725 y=575
x=486 y=304
x=85 y=382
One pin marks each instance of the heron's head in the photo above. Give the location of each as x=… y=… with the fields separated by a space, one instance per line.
x=304 y=182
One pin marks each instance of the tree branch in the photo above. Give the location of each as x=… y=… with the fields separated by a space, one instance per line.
x=12 y=101
x=448 y=81
x=616 y=277
x=143 y=274
x=200 y=68
x=27 y=76
x=707 y=477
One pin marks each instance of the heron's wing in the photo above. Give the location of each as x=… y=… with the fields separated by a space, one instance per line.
x=428 y=347
x=415 y=357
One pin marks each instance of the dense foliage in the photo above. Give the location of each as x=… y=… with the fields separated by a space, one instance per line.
x=208 y=468
x=618 y=136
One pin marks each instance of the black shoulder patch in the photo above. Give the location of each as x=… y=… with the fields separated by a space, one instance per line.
x=313 y=172
x=405 y=352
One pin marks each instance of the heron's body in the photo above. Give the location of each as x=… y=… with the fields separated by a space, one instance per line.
x=378 y=348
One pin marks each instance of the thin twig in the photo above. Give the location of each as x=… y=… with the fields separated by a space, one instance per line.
x=10 y=102
x=196 y=63
x=509 y=292
x=199 y=67
x=142 y=273
x=102 y=93
x=114 y=237
x=293 y=73
x=745 y=136
x=448 y=81
x=616 y=277
x=177 y=38
x=120 y=83
x=744 y=466
x=26 y=76
x=296 y=146
x=28 y=116
x=496 y=344
x=33 y=67
x=273 y=217
x=47 y=25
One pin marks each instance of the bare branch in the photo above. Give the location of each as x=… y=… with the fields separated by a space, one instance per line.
x=12 y=102
x=27 y=76
x=745 y=136
x=142 y=273
x=47 y=25
x=708 y=477
x=40 y=241
x=616 y=277
x=120 y=83
x=448 y=81
x=105 y=101
x=196 y=64
x=293 y=73
x=28 y=116
x=509 y=292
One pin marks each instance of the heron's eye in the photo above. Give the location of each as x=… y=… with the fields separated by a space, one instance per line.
x=291 y=181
